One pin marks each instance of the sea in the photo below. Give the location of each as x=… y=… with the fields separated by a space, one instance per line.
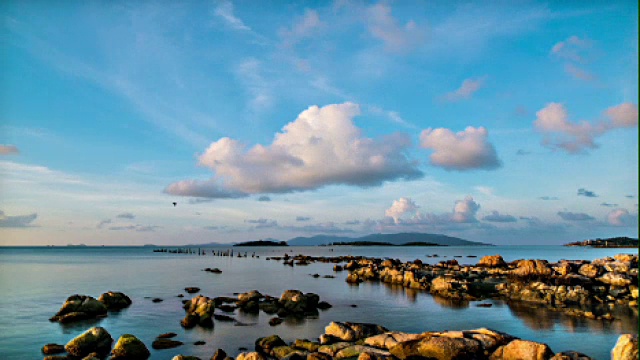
x=35 y=281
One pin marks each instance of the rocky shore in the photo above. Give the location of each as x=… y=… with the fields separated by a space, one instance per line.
x=584 y=288
x=361 y=341
x=588 y=289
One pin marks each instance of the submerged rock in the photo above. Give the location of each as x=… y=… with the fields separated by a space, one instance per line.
x=165 y=344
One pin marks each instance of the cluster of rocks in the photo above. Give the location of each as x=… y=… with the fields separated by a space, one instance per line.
x=600 y=285
x=373 y=342
x=82 y=307
x=200 y=309
x=95 y=344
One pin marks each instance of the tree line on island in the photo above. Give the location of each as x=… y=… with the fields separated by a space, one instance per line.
x=399 y=239
x=614 y=242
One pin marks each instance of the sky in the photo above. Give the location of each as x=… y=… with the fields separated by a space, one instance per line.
x=504 y=122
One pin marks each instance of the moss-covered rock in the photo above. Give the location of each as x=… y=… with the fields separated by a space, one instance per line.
x=129 y=347
x=79 y=307
x=96 y=339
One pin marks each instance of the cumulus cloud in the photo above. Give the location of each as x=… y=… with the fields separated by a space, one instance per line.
x=383 y=26
x=466 y=90
x=126 y=215
x=18 y=221
x=586 y=193
x=495 y=216
x=8 y=150
x=571 y=216
x=465 y=210
x=321 y=147
x=561 y=133
x=621 y=217
x=465 y=150
x=302 y=28
x=401 y=207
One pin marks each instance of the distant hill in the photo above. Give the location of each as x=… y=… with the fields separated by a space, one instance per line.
x=394 y=239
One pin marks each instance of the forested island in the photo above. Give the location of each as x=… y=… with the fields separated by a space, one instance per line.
x=615 y=242
x=262 y=243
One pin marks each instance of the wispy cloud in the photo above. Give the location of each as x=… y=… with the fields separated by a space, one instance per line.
x=302 y=28
x=126 y=215
x=467 y=89
x=586 y=193
x=571 y=216
x=17 y=221
x=225 y=11
x=396 y=37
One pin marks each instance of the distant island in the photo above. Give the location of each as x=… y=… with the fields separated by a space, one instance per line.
x=399 y=239
x=262 y=243
x=373 y=243
x=615 y=242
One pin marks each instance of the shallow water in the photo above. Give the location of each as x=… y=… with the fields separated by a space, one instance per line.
x=36 y=281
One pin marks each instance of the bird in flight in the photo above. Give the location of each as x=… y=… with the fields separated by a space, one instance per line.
x=175 y=203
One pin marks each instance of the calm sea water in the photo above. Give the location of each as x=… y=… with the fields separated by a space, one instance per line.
x=34 y=282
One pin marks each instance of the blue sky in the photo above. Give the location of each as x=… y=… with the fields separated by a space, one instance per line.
x=504 y=122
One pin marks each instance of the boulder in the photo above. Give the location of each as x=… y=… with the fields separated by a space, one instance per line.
x=199 y=312
x=390 y=339
x=50 y=349
x=219 y=355
x=79 y=307
x=589 y=270
x=438 y=347
x=355 y=351
x=253 y=295
x=522 y=350
x=492 y=261
x=114 y=300
x=531 y=268
x=307 y=345
x=160 y=344
x=129 y=347
x=250 y=356
x=626 y=348
x=341 y=331
x=615 y=279
x=96 y=339
x=266 y=345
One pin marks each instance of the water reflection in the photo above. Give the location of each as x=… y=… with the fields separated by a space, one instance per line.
x=537 y=317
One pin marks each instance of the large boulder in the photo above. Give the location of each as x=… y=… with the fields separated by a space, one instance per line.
x=348 y=331
x=96 y=339
x=129 y=347
x=589 y=270
x=295 y=301
x=531 y=268
x=492 y=261
x=626 y=348
x=390 y=339
x=266 y=345
x=522 y=350
x=79 y=307
x=438 y=347
x=114 y=300
x=615 y=279
x=199 y=312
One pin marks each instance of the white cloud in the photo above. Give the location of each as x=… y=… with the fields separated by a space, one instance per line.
x=578 y=72
x=18 y=221
x=321 y=147
x=621 y=217
x=465 y=150
x=302 y=28
x=465 y=210
x=396 y=38
x=8 y=150
x=559 y=132
x=623 y=116
x=225 y=11
x=495 y=216
x=401 y=207
x=467 y=89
